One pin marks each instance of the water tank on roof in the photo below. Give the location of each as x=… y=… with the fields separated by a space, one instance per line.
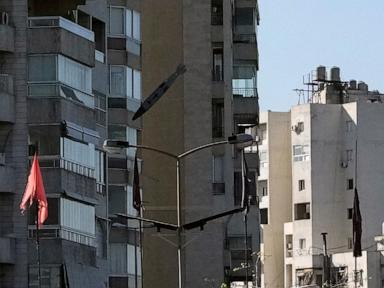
x=335 y=74
x=321 y=73
x=353 y=84
x=362 y=86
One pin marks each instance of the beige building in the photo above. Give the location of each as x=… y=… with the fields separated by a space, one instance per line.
x=216 y=97
x=323 y=137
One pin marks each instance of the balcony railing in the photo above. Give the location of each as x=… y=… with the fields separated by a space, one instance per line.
x=245 y=92
x=57 y=89
x=57 y=21
x=244 y=38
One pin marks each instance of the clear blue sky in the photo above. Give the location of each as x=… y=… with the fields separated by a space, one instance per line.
x=296 y=36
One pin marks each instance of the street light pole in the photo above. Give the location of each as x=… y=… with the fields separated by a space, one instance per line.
x=114 y=146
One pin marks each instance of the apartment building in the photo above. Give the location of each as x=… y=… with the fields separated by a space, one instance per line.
x=70 y=76
x=334 y=144
x=215 y=98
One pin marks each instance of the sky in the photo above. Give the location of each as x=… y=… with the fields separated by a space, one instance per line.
x=296 y=36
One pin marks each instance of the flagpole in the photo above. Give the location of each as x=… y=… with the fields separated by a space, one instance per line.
x=38 y=245
x=141 y=248
x=354 y=242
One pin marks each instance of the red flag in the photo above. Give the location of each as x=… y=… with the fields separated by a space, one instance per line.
x=35 y=191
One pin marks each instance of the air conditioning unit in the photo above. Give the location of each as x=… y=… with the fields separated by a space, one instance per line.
x=2 y=159
x=344 y=164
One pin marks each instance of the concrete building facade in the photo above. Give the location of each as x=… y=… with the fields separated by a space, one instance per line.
x=335 y=147
x=70 y=76
x=216 y=97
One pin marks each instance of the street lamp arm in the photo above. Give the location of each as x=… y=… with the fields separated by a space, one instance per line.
x=154 y=149
x=200 y=223
x=157 y=224
x=186 y=153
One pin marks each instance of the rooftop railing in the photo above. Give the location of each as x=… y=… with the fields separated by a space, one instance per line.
x=58 y=21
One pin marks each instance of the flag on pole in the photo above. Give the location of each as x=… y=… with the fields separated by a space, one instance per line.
x=357 y=231
x=136 y=187
x=34 y=191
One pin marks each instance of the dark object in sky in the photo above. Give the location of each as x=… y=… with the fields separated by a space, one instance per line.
x=159 y=91
x=357 y=231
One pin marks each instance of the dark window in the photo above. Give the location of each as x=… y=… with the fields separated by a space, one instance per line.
x=264 y=216
x=237 y=185
x=117 y=199
x=263 y=187
x=218 y=62
x=302 y=211
x=217 y=12
x=117 y=103
x=349 y=213
x=53 y=215
x=301 y=185
x=244 y=16
x=217 y=118
x=350 y=184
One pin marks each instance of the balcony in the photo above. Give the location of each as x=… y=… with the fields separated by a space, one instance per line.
x=7 y=101
x=7 y=250
x=58 y=35
x=7 y=38
x=245 y=106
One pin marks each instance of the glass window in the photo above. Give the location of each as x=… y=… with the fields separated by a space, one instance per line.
x=301 y=185
x=300 y=153
x=350 y=184
x=128 y=23
x=218 y=169
x=244 y=16
x=302 y=243
x=116 y=23
x=349 y=213
x=263 y=187
x=217 y=118
x=78 y=153
x=42 y=68
x=136 y=84
x=118 y=83
x=302 y=211
x=218 y=71
x=77 y=216
x=74 y=74
x=117 y=132
x=132 y=139
x=136 y=26
x=264 y=216
x=99 y=166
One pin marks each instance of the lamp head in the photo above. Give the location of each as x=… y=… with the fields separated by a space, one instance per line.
x=241 y=140
x=115 y=146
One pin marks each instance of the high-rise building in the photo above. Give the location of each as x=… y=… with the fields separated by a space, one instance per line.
x=312 y=158
x=65 y=66
x=215 y=98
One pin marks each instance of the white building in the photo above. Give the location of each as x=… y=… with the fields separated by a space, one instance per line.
x=308 y=161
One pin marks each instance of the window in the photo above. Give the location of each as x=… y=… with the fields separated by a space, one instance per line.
x=349 y=213
x=302 y=243
x=79 y=153
x=218 y=71
x=116 y=20
x=349 y=155
x=263 y=187
x=217 y=118
x=122 y=259
x=244 y=16
x=300 y=153
x=100 y=108
x=216 y=12
x=125 y=83
x=350 y=184
x=48 y=73
x=99 y=170
x=77 y=221
x=218 y=168
x=121 y=200
x=132 y=139
x=349 y=125
x=301 y=185
x=300 y=126
x=302 y=211
x=263 y=159
x=264 y=216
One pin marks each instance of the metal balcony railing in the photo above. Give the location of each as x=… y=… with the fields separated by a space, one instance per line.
x=245 y=92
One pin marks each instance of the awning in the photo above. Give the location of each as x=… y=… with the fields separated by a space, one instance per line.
x=72 y=130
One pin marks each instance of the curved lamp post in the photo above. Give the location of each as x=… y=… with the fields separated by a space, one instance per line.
x=117 y=146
